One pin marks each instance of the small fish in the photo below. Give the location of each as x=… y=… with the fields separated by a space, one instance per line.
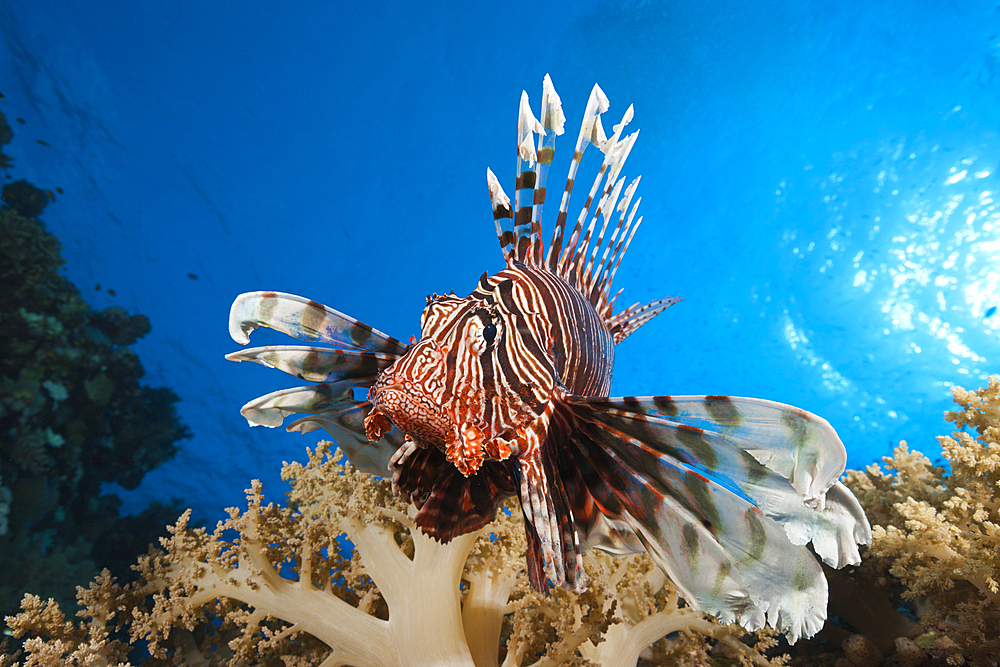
x=59 y=190
x=41 y=142
x=506 y=393
x=51 y=195
x=20 y=120
x=193 y=276
x=990 y=312
x=111 y=292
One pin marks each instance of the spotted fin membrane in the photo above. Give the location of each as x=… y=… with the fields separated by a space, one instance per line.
x=724 y=493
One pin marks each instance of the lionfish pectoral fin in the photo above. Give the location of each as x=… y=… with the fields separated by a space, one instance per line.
x=318 y=364
x=346 y=427
x=728 y=529
x=307 y=320
x=330 y=406
x=785 y=460
x=548 y=513
x=360 y=354
x=450 y=504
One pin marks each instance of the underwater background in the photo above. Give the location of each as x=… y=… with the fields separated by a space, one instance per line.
x=818 y=185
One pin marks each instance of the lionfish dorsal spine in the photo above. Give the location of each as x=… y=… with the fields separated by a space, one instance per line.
x=552 y=121
x=565 y=265
x=616 y=151
x=609 y=202
x=628 y=231
x=527 y=231
x=601 y=280
x=607 y=212
x=584 y=267
x=607 y=206
x=503 y=216
x=591 y=132
x=573 y=255
x=570 y=264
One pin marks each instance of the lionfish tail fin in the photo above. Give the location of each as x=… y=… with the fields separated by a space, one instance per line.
x=728 y=521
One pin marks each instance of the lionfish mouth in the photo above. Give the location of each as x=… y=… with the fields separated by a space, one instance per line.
x=413 y=413
x=462 y=439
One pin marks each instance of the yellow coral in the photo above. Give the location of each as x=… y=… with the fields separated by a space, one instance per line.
x=270 y=586
x=938 y=532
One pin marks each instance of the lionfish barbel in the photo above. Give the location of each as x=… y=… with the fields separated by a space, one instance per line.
x=507 y=393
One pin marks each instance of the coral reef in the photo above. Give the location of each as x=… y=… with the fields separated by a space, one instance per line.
x=937 y=532
x=4 y=507
x=6 y=161
x=24 y=198
x=73 y=415
x=341 y=576
x=277 y=585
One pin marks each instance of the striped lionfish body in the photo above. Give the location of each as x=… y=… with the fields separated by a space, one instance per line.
x=507 y=393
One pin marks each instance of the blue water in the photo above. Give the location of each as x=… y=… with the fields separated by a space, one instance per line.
x=818 y=184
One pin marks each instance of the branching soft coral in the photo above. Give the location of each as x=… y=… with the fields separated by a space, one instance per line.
x=270 y=586
x=939 y=532
x=630 y=611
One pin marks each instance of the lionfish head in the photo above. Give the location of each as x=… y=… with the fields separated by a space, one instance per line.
x=450 y=389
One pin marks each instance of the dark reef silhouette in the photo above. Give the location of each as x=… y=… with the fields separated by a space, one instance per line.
x=73 y=415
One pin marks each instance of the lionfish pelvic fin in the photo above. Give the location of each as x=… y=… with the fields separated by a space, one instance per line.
x=555 y=552
x=423 y=476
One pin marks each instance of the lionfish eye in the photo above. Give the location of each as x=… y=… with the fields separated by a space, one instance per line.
x=489 y=332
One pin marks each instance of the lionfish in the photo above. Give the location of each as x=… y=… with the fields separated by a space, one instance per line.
x=507 y=393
